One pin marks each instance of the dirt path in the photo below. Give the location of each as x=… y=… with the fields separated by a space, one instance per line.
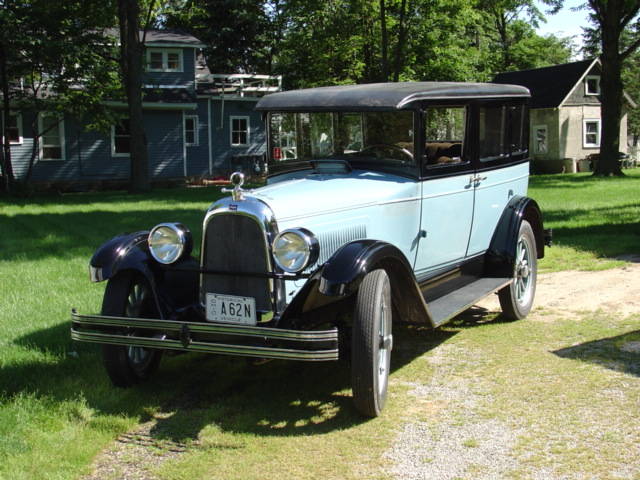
x=570 y=292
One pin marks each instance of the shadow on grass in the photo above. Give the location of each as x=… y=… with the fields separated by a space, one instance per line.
x=194 y=392
x=620 y=353
x=72 y=234
x=607 y=240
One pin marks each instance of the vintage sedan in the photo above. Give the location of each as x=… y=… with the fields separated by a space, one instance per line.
x=384 y=203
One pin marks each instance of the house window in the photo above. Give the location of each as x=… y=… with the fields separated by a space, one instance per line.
x=121 y=139
x=51 y=130
x=14 y=127
x=592 y=85
x=540 y=139
x=591 y=133
x=191 y=130
x=239 y=131
x=159 y=60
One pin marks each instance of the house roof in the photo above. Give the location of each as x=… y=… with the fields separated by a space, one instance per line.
x=549 y=86
x=164 y=37
x=383 y=96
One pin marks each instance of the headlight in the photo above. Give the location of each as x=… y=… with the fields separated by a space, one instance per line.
x=295 y=249
x=168 y=242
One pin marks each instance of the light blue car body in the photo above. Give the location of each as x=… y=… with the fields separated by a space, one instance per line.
x=434 y=222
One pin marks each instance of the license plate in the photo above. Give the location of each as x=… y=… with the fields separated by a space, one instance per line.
x=231 y=309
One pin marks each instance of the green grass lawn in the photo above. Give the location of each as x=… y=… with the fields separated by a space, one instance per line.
x=57 y=409
x=594 y=220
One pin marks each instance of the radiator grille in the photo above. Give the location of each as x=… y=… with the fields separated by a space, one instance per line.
x=236 y=243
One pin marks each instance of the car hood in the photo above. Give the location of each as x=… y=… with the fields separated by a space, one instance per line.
x=319 y=194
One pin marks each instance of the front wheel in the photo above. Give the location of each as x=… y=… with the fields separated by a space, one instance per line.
x=372 y=343
x=129 y=294
x=516 y=300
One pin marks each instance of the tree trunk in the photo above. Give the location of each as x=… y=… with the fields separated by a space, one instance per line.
x=7 y=167
x=385 y=42
x=401 y=40
x=131 y=52
x=611 y=93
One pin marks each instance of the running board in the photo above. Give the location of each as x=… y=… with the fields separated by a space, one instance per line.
x=448 y=306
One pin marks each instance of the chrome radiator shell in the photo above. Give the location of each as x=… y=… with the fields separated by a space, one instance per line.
x=237 y=238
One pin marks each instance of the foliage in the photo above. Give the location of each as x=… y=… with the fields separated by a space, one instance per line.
x=235 y=31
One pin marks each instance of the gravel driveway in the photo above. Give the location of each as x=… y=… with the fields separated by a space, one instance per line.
x=460 y=443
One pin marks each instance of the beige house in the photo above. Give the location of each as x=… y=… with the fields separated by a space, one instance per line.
x=565 y=122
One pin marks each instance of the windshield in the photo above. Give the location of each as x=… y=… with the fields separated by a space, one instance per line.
x=373 y=140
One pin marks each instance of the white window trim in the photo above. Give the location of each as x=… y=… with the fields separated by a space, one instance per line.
x=586 y=84
x=535 y=137
x=19 y=122
x=584 y=133
x=196 y=126
x=239 y=117
x=63 y=149
x=113 y=145
x=165 y=60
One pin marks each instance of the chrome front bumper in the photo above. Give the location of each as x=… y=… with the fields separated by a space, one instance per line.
x=240 y=340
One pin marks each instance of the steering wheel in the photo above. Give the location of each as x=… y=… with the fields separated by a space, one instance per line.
x=388 y=150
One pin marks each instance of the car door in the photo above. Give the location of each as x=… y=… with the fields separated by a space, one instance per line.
x=447 y=189
x=501 y=168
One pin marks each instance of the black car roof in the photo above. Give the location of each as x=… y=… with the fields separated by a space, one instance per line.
x=384 y=96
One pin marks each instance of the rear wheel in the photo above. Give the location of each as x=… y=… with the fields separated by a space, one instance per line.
x=372 y=343
x=516 y=300
x=129 y=294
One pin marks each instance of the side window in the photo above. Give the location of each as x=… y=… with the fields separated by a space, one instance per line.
x=445 y=135
x=493 y=145
x=517 y=129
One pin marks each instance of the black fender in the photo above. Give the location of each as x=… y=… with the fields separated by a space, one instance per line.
x=501 y=254
x=341 y=276
x=172 y=287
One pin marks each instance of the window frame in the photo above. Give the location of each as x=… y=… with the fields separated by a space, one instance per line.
x=586 y=85
x=535 y=137
x=113 y=143
x=196 y=125
x=61 y=134
x=239 y=117
x=585 y=121
x=165 y=60
x=18 y=116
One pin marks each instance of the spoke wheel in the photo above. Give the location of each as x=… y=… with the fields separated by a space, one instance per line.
x=372 y=342
x=129 y=295
x=516 y=300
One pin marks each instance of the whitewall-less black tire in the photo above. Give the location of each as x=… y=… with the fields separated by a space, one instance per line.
x=516 y=300
x=128 y=294
x=372 y=342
